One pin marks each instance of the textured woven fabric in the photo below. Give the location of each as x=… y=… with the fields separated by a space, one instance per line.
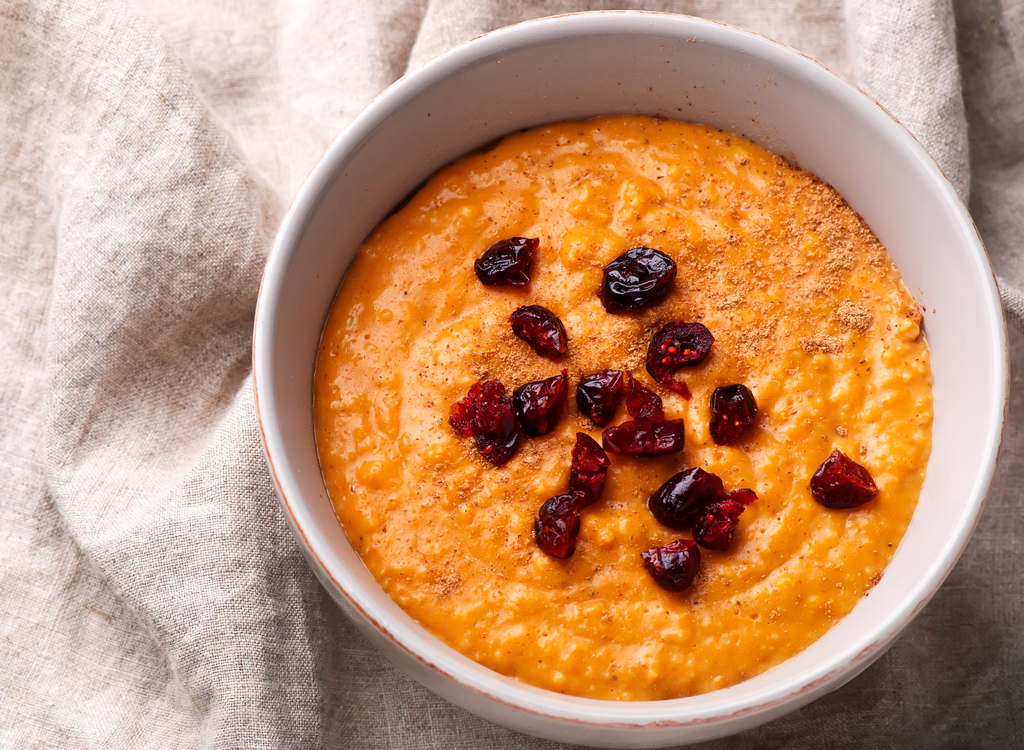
x=152 y=595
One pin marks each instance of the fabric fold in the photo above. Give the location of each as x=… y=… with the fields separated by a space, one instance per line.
x=905 y=56
x=153 y=456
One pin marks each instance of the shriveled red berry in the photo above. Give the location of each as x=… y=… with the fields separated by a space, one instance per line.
x=507 y=263
x=487 y=414
x=642 y=403
x=675 y=345
x=641 y=437
x=733 y=409
x=467 y=416
x=558 y=524
x=539 y=404
x=598 y=395
x=678 y=502
x=674 y=566
x=498 y=447
x=742 y=496
x=462 y=416
x=715 y=525
x=841 y=483
x=541 y=329
x=493 y=409
x=589 y=469
x=637 y=278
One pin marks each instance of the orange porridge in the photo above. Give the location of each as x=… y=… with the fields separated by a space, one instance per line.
x=807 y=310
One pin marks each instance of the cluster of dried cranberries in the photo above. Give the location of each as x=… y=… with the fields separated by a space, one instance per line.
x=558 y=521
x=648 y=434
x=487 y=413
x=496 y=421
x=696 y=500
x=693 y=500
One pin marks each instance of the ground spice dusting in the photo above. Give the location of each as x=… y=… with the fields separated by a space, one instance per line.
x=841 y=256
x=914 y=313
x=447 y=584
x=496 y=352
x=755 y=338
x=854 y=316
x=821 y=343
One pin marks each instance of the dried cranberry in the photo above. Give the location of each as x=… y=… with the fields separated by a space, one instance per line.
x=636 y=278
x=462 y=416
x=714 y=526
x=493 y=409
x=743 y=496
x=539 y=404
x=642 y=403
x=558 y=524
x=487 y=414
x=589 y=469
x=678 y=502
x=675 y=345
x=841 y=483
x=507 y=263
x=644 y=438
x=498 y=447
x=598 y=395
x=733 y=409
x=673 y=566
x=541 y=329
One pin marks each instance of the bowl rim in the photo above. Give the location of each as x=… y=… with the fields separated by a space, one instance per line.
x=677 y=712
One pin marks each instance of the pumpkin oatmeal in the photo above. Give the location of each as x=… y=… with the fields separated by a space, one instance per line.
x=807 y=312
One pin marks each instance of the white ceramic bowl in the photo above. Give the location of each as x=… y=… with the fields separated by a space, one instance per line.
x=579 y=66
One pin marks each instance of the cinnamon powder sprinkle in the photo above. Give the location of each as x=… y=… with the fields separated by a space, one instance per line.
x=854 y=316
x=822 y=343
x=447 y=584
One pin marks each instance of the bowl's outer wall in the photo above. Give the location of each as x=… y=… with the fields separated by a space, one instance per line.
x=582 y=66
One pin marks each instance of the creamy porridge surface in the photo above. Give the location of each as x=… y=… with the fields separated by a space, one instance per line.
x=807 y=310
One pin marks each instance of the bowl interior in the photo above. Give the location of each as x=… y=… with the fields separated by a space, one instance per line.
x=613 y=62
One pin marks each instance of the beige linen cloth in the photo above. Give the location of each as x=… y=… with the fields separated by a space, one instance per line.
x=150 y=593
